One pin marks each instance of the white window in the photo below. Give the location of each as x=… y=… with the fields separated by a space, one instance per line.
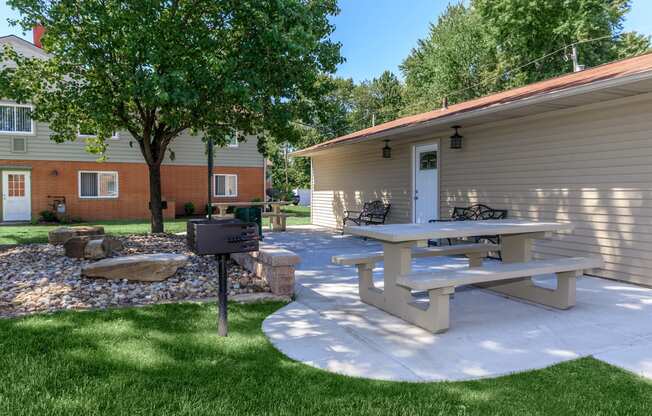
x=98 y=184
x=16 y=119
x=225 y=185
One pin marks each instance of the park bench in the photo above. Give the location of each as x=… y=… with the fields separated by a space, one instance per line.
x=477 y=212
x=374 y=212
x=512 y=279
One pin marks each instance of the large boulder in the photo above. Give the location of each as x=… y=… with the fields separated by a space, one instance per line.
x=142 y=267
x=60 y=235
x=91 y=247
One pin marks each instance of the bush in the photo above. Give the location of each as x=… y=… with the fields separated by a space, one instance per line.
x=189 y=208
x=48 y=216
x=210 y=210
x=256 y=199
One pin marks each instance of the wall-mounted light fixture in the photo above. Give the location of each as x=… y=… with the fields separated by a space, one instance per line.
x=54 y=172
x=456 y=139
x=387 y=151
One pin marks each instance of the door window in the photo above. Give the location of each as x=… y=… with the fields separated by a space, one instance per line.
x=428 y=160
x=16 y=185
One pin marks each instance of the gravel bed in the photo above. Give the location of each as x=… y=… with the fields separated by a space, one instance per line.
x=39 y=278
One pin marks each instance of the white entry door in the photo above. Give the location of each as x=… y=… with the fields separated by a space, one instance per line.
x=16 y=196
x=426 y=181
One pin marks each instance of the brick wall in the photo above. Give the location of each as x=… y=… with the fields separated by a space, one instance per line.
x=180 y=184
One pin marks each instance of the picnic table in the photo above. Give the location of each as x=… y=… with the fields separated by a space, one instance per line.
x=277 y=219
x=512 y=277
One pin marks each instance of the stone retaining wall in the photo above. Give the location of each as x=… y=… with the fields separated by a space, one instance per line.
x=273 y=264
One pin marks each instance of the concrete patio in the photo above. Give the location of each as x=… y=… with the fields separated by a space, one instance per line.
x=490 y=335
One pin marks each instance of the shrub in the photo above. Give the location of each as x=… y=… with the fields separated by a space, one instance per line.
x=48 y=216
x=189 y=208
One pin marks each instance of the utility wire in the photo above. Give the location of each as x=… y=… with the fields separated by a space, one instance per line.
x=453 y=93
x=563 y=48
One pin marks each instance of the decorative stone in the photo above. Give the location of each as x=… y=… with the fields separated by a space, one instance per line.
x=91 y=247
x=143 y=267
x=38 y=278
x=74 y=247
x=61 y=234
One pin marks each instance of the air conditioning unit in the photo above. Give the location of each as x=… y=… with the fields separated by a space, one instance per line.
x=19 y=145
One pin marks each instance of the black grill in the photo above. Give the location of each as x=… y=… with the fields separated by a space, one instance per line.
x=222 y=236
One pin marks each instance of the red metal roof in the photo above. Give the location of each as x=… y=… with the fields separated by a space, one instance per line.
x=612 y=70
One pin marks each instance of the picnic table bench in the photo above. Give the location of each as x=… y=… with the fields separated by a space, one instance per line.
x=512 y=277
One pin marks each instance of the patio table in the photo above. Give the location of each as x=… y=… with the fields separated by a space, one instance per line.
x=277 y=223
x=517 y=237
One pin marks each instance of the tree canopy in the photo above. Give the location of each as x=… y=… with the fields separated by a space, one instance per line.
x=475 y=50
x=157 y=68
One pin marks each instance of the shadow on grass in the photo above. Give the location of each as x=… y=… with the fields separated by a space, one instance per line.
x=167 y=359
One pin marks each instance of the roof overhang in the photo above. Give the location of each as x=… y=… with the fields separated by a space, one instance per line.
x=575 y=96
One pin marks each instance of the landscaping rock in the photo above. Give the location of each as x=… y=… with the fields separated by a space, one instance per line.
x=101 y=248
x=91 y=247
x=62 y=234
x=38 y=278
x=144 y=267
x=74 y=247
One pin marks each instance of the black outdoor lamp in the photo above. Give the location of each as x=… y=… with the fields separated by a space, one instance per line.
x=387 y=151
x=456 y=139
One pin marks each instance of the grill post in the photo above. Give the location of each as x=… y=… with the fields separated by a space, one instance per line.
x=209 y=207
x=222 y=323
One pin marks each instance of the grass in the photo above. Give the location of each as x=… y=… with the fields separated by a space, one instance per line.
x=167 y=360
x=24 y=234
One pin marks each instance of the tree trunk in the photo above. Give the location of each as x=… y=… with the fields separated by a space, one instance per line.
x=155 y=199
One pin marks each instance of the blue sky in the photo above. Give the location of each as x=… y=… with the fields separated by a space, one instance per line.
x=378 y=34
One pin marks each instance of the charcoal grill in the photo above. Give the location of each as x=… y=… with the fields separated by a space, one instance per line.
x=220 y=237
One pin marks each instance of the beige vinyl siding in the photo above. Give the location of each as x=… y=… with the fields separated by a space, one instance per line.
x=189 y=150
x=591 y=166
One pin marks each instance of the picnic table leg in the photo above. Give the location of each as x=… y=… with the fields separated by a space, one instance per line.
x=397 y=261
x=517 y=249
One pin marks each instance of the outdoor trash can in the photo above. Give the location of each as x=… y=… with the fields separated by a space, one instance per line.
x=251 y=214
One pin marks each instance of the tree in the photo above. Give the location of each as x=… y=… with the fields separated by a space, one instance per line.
x=525 y=30
x=476 y=50
x=377 y=101
x=450 y=62
x=159 y=68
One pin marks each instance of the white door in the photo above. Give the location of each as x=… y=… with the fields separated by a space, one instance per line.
x=16 y=196
x=426 y=192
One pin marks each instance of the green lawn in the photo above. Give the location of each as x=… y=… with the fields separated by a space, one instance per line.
x=22 y=234
x=167 y=360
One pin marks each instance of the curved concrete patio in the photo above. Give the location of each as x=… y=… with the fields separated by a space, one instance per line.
x=329 y=328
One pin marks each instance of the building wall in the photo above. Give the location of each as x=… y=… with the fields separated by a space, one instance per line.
x=188 y=150
x=180 y=184
x=589 y=166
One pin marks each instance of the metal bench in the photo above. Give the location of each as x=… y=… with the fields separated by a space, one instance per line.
x=476 y=212
x=512 y=279
x=374 y=212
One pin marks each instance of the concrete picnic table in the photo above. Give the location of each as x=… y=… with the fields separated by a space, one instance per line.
x=400 y=241
x=277 y=218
